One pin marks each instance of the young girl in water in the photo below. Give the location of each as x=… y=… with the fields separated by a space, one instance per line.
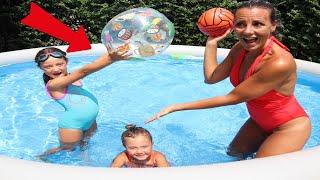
x=139 y=152
x=78 y=122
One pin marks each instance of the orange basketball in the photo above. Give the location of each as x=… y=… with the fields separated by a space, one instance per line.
x=215 y=22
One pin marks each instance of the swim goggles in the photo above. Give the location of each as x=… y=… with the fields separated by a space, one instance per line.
x=55 y=54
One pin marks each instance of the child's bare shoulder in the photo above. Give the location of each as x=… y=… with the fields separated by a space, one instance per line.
x=120 y=160
x=122 y=156
x=158 y=154
x=160 y=159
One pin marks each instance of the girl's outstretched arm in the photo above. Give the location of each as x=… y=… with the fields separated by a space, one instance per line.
x=103 y=61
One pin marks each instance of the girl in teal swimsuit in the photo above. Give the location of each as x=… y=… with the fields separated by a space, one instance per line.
x=81 y=107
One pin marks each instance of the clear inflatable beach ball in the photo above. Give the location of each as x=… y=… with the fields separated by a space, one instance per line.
x=144 y=32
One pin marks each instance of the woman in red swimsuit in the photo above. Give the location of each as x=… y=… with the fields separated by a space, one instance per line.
x=263 y=73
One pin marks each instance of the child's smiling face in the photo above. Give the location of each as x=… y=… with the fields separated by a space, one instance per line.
x=139 y=147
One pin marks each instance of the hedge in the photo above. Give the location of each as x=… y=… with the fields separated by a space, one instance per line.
x=299 y=31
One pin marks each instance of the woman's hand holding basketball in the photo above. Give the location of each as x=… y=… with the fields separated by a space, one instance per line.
x=215 y=40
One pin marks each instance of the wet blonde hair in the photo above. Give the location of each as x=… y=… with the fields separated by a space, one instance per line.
x=133 y=131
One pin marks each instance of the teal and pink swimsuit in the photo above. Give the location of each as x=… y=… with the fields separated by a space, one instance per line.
x=81 y=108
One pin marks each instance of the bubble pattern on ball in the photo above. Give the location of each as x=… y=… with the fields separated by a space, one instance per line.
x=143 y=32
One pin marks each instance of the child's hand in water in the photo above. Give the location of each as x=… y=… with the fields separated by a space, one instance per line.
x=163 y=112
x=121 y=53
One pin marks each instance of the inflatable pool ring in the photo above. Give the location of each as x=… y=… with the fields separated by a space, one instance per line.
x=143 y=32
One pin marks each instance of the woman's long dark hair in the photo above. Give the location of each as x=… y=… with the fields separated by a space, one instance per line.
x=275 y=15
x=47 y=50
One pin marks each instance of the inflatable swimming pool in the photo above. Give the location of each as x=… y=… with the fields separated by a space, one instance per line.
x=297 y=165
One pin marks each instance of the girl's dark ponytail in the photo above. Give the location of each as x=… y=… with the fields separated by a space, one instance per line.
x=46 y=78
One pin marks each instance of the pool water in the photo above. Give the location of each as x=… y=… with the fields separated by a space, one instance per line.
x=131 y=92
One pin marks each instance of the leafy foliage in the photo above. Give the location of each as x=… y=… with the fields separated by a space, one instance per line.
x=301 y=27
x=300 y=19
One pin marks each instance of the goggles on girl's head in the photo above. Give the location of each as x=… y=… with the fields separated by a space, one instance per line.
x=44 y=57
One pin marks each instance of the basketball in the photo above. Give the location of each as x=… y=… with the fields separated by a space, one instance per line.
x=215 y=22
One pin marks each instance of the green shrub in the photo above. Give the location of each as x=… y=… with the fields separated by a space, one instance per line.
x=300 y=19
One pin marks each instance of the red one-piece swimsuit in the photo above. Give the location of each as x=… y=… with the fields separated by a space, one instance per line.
x=272 y=109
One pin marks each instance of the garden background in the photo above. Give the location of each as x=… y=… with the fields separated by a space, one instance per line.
x=300 y=29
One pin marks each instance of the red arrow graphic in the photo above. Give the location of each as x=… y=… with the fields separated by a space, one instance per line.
x=43 y=21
